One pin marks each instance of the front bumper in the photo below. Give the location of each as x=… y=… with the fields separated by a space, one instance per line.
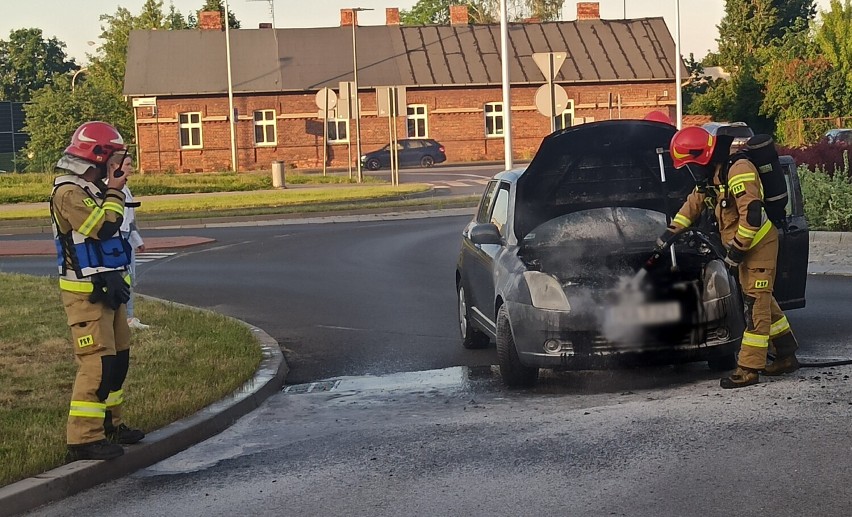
x=584 y=345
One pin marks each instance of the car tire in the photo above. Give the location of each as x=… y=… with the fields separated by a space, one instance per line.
x=722 y=363
x=514 y=374
x=472 y=338
x=373 y=164
x=427 y=161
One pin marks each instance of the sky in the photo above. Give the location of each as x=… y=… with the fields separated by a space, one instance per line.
x=76 y=22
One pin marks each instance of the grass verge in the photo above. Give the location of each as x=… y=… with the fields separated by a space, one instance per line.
x=35 y=188
x=186 y=361
x=230 y=202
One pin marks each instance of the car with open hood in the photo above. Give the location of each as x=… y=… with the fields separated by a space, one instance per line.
x=555 y=265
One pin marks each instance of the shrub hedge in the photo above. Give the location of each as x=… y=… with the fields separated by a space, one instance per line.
x=827 y=195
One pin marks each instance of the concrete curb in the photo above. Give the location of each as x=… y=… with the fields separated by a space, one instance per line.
x=75 y=477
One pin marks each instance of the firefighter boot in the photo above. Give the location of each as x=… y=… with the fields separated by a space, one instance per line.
x=121 y=433
x=785 y=362
x=741 y=378
x=100 y=450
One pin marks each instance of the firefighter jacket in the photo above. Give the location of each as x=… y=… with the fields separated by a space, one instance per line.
x=86 y=222
x=738 y=206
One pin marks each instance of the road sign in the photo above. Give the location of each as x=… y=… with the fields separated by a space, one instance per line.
x=544 y=60
x=326 y=99
x=551 y=107
x=142 y=102
x=391 y=96
x=347 y=89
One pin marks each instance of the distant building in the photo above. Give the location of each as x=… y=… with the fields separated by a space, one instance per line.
x=452 y=75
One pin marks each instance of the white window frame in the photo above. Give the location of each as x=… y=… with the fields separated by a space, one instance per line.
x=337 y=124
x=560 y=119
x=189 y=125
x=267 y=119
x=416 y=117
x=494 y=115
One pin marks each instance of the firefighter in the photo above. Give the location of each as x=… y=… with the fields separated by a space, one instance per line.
x=87 y=206
x=730 y=186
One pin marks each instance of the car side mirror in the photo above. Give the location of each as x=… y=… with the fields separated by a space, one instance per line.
x=486 y=233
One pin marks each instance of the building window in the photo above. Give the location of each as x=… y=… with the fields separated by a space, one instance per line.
x=566 y=119
x=264 y=127
x=494 y=119
x=418 y=126
x=337 y=131
x=190 y=130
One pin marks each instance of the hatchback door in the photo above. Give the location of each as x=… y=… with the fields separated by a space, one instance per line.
x=792 y=274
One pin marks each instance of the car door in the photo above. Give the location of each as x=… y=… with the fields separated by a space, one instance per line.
x=409 y=153
x=792 y=273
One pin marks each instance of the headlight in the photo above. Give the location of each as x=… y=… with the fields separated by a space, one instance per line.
x=716 y=281
x=363 y=158
x=545 y=291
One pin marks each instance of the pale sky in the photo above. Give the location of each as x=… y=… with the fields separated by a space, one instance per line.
x=76 y=22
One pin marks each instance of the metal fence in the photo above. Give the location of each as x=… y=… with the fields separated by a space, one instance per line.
x=801 y=132
x=12 y=136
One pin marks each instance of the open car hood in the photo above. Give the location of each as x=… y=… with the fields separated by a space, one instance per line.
x=602 y=164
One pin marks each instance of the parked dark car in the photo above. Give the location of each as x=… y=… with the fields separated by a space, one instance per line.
x=547 y=263
x=838 y=136
x=423 y=152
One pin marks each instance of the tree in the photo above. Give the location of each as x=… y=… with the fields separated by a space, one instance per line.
x=834 y=37
x=437 y=12
x=29 y=62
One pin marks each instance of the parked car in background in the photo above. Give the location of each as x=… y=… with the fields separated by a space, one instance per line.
x=413 y=152
x=548 y=266
x=839 y=136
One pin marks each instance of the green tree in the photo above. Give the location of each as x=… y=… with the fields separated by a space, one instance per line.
x=834 y=36
x=437 y=12
x=29 y=62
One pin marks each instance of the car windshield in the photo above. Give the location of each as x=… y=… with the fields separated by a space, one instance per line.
x=615 y=227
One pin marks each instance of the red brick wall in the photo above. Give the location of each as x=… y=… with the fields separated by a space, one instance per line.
x=455 y=118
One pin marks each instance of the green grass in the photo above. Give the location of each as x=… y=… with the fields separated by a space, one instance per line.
x=186 y=361
x=34 y=188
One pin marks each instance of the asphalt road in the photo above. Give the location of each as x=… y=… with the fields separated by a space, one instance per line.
x=376 y=298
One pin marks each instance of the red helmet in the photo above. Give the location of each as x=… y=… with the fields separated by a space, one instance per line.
x=658 y=116
x=95 y=142
x=692 y=145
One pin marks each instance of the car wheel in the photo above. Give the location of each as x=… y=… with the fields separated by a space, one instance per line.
x=373 y=164
x=471 y=337
x=723 y=363
x=427 y=161
x=514 y=374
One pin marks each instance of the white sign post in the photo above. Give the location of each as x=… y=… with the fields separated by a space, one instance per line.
x=549 y=63
x=326 y=99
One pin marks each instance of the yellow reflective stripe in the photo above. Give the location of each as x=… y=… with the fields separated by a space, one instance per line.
x=741 y=178
x=127 y=279
x=779 y=327
x=755 y=340
x=761 y=233
x=93 y=219
x=75 y=286
x=115 y=398
x=745 y=232
x=115 y=207
x=87 y=409
x=682 y=220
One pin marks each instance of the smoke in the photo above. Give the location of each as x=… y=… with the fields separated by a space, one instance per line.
x=617 y=325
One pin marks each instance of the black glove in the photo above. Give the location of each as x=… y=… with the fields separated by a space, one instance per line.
x=734 y=257
x=110 y=289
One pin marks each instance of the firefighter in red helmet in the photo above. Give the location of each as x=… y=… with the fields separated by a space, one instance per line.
x=87 y=207
x=735 y=194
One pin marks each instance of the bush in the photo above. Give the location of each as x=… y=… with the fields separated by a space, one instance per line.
x=827 y=196
x=822 y=155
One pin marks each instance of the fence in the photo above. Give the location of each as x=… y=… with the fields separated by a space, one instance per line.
x=806 y=131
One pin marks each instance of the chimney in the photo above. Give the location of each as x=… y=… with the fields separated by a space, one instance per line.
x=392 y=16
x=588 y=11
x=458 y=15
x=348 y=17
x=264 y=25
x=210 y=21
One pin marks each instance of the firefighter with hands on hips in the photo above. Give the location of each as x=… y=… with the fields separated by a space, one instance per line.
x=730 y=186
x=87 y=207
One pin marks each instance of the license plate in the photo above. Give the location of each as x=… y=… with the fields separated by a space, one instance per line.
x=644 y=314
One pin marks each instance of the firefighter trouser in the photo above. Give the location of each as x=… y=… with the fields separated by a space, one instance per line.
x=763 y=317
x=101 y=340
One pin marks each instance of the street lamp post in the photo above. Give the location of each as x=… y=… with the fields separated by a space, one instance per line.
x=230 y=91
x=507 y=101
x=356 y=109
x=678 y=79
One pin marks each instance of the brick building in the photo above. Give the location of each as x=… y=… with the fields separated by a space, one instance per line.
x=452 y=75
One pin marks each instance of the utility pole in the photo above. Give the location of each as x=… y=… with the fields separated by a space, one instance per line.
x=507 y=101
x=230 y=91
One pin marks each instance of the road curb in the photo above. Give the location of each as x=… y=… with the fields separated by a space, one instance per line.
x=75 y=477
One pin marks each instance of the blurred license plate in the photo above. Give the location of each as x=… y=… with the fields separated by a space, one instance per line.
x=645 y=314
